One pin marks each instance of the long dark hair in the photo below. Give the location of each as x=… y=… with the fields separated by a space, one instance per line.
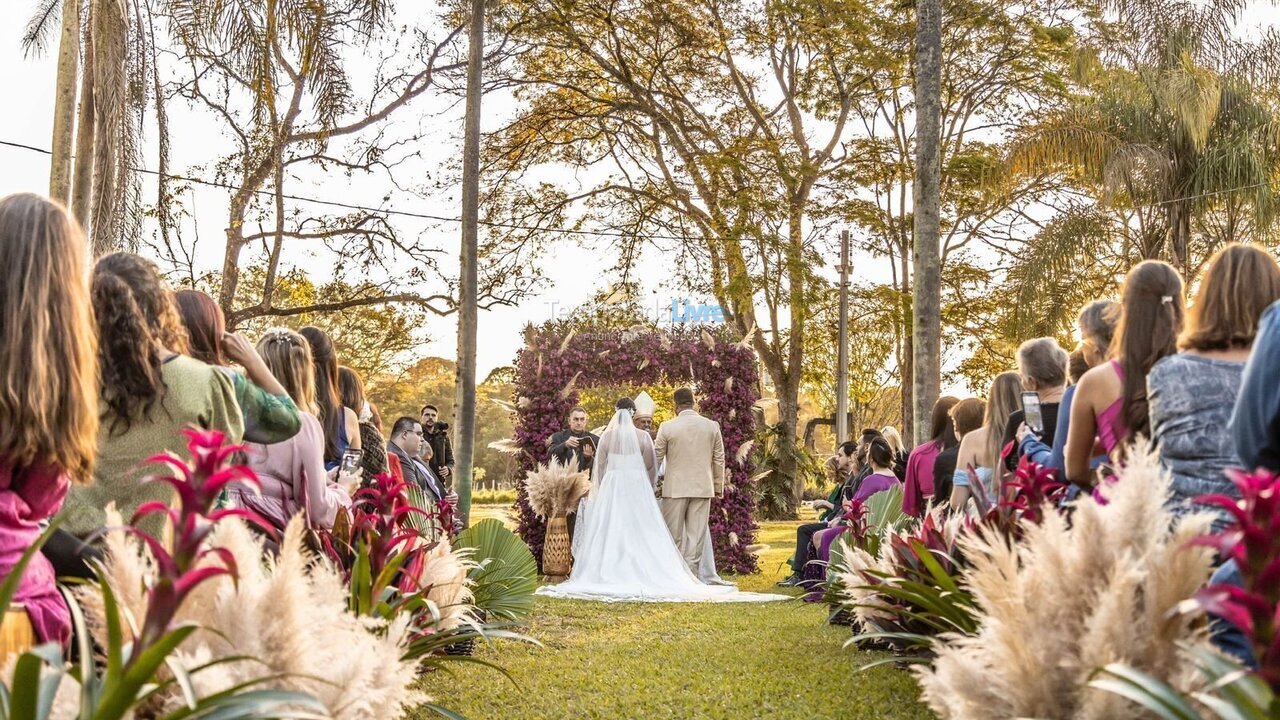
x=204 y=324
x=325 y=361
x=942 y=432
x=1151 y=311
x=136 y=320
x=350 y=388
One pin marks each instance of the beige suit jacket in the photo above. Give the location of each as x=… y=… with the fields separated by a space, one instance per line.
x=693 y=449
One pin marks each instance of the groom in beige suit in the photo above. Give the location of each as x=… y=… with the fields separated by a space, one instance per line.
x=694 y=452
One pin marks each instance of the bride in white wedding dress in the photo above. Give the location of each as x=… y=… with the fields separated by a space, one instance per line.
x=622 y=548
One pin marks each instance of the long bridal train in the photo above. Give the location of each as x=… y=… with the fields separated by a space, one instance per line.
x=623 y=550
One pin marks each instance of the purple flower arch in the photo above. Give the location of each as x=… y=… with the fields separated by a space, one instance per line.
x=550 y=372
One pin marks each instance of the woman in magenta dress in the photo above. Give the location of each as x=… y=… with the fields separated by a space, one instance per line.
x=48 y=391
x=917 y=489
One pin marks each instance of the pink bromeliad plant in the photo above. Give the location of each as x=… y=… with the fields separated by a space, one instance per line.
x=1231 y=691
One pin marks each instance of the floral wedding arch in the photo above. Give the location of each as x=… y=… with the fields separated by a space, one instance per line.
x=555 y=363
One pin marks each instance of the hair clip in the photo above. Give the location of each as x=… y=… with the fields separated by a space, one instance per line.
x=1167 y=299
x=280 y=336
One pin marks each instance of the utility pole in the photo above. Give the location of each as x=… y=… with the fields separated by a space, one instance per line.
x=468 y=279
x=842 y=352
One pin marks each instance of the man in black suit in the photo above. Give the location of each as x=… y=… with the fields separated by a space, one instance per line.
x=575 y=441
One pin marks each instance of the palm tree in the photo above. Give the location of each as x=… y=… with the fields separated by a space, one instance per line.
x=1175 y=125
x=103 y=64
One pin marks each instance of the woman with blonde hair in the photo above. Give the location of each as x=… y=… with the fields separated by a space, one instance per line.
x=899 y=449
x=980 y=449
x=1192 y=394
x=48 y=397
x=292 y=472
x=1110 y=403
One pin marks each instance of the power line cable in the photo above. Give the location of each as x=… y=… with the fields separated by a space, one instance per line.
x=385 y=211
x=516 y=226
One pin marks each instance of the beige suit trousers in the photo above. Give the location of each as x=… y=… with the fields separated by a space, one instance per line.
x=687 y=520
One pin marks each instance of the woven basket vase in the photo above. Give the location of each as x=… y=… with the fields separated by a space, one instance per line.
x=556 y=559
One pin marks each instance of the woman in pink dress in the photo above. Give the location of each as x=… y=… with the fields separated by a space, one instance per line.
x=1110 y=404
x=48 y=391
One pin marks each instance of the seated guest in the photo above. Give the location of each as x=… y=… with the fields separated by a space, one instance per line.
x=881 y=459
x=373 y=449
x=1191 y=395
x=292 y=472
x=966 y=417
x=918 y=484
x=268 y=412
x=341 y=424
x=839 y=466
x=980 y=449
x=1255 y=424
x=899 y=448
x=832 y=509
x=1042 y=365
x=150 y=393
x=49 y=409
x=406 y=445
x=1110 y=403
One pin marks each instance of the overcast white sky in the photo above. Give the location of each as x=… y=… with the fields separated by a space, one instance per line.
x=574 y=275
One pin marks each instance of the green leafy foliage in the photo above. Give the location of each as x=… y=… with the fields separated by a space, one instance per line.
x=505 y=575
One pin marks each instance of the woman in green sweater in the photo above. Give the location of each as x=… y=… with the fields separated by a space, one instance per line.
x=150 y=393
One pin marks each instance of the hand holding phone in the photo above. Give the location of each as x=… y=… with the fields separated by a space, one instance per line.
x=1031 y=412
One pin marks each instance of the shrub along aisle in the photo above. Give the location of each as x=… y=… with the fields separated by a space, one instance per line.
x=776 y=660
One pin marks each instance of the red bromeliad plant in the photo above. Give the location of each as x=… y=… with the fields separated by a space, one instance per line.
x=1024 y=497
x=1253 y=541
x=198 y=486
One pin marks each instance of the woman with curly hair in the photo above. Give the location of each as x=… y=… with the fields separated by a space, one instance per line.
x=151 y=391
x=48 y=395
x=341 y=423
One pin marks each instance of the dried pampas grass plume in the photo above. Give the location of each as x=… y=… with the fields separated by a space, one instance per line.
x=708 y=340
x=728 y=384
x=506 y=445
x=504 y=404
x=644 y=363
x=666 y=342
x=555 y=488
x=744 y=451
x=288 y=614
x=538 y=374
x=564 y=344
x=1066 y=600
x=567 y=390
x=746 y=339
x=523 y=402
x=445 y=576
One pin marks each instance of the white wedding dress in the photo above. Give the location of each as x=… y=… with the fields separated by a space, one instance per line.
x=623 y=551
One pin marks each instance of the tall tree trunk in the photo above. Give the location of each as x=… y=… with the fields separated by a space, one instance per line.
x=82 y=187
x=110 y=87
x=1180 y=234
x=926 y=197
x=468 y=279
x=64 y=104
x=789 y=416
x=908 y=348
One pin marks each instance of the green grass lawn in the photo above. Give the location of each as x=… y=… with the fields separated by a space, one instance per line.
x=643 y=660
